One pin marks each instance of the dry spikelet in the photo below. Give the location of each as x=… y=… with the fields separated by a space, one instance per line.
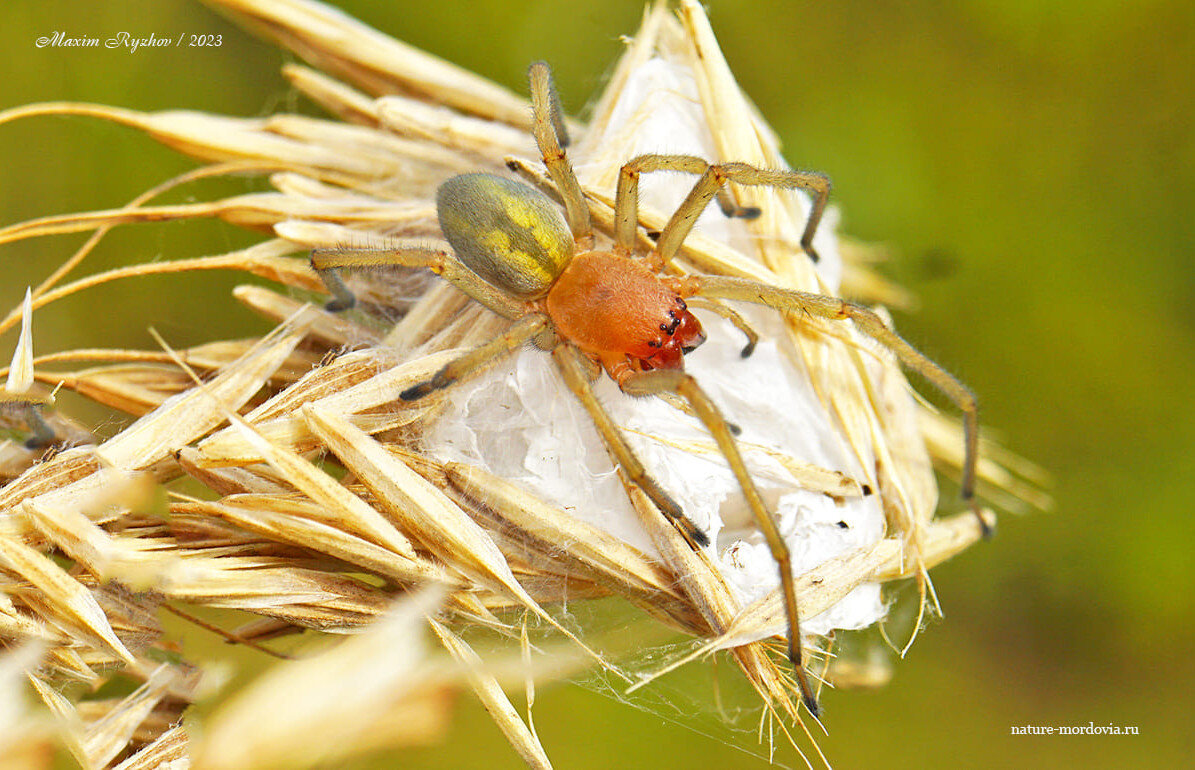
x=378 y=688
x=26 y=738
x=258 y=424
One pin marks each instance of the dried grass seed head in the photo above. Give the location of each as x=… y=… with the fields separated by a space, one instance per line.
x=597 y=306
x=265 y=548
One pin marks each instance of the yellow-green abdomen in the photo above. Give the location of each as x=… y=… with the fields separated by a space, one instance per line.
x=510 y=234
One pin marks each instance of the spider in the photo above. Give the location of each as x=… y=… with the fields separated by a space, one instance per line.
x=612 y=310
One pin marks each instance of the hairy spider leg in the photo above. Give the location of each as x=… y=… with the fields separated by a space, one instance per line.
x=572 y=363
x=328 y=261
x=710 y=184
x=730 y=314
x=552 y=137
x=520 y=333
x=868 y=322
x=682 y=384
x=626 y=199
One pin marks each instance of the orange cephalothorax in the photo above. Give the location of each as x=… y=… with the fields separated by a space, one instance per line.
x=607 y=304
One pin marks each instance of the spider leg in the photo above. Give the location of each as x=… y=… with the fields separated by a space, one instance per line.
x=674 y=381
x=42 y=434
x=868 y=322
x=522 y=331
x=571 y=363
x=682 y=221
x=551 y=136
x=327 y=262
x=626 y=201
x=729 y=314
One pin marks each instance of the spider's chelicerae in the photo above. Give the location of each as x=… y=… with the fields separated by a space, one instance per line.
x=512 y=251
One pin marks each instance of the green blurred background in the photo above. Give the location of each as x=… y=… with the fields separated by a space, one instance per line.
x=1033 y=165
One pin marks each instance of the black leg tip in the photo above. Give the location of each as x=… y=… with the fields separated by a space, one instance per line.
x=812 y=254
x=339 y=306
x=986 y=531
x=699 y=537
x=735 y=430
x=40 y=442
x=812 y=704
x=748 y=350
x=749 y=212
